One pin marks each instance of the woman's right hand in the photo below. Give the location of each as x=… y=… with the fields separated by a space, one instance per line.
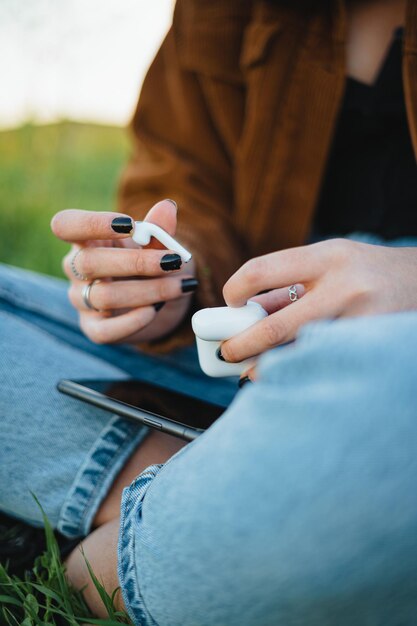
x=140 y=293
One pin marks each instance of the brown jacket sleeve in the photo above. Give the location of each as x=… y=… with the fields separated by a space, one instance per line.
x=179 y=153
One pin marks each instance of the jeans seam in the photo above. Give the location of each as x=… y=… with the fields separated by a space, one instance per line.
x=78 y=505
x=30 y=325
x=22 y=301
x=132 y=501
x=50 y=336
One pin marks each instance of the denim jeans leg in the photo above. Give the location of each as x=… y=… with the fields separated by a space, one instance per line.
x=43 y=301
x=66 y=452
x=299 y=506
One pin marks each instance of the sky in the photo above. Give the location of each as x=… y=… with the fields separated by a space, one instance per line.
x=76 y=59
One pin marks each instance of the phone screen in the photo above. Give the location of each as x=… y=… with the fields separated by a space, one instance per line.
x=157 y=400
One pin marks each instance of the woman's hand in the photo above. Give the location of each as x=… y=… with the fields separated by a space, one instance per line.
x=334 y=278
x=140 y=294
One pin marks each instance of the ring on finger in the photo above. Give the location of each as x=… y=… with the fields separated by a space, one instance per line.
x=74 y=270
x=293 y=293
x=86 y=295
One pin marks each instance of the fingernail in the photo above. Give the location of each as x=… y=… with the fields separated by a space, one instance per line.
x=173 y=202
x=122 y=225
x=158 y=306
x=171 y=262
x=243 y=381
x=219 y=355
x=188 y=285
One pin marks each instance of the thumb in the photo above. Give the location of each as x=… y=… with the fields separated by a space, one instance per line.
x=163 y=214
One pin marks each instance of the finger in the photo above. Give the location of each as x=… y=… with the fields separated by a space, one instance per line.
x=271 y=271
x=273 y=330
x=103 y=330
x=277 y=299
x=163 y=214
x=74 y=225
x=94 y=263
x=131 y=294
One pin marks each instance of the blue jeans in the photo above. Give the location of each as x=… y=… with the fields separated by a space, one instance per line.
x=298 y=507
x=68 y=453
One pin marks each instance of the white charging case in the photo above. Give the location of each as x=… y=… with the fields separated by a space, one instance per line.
x=212 y=326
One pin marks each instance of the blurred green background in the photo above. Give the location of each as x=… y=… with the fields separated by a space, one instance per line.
x=44 y=169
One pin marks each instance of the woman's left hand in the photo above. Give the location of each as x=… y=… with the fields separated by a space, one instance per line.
x=334 y=278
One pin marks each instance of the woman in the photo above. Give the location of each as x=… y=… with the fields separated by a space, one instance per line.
x=275 y=128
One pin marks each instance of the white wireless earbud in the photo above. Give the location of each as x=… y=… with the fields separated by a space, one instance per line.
x=212 y=326
x=145 y=230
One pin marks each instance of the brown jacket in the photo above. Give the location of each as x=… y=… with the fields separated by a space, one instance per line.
x=235 y=121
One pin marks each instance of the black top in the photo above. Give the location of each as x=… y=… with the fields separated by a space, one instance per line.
x=371 y=179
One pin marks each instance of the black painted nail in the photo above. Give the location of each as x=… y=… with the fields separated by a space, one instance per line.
x=171 y=262
x=158 y=306
x=243 y=381
x=219 y=355
x=188 y=285
x=122 y=225
x=172 y=202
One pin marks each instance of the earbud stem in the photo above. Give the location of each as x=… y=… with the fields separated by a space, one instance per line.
x=145 y=230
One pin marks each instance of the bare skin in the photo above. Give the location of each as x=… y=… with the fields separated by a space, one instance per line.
x=156 y=448
x=100 y=547
x=369 y=34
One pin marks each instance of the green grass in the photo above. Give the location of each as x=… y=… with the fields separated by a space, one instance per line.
x=44 y=169
x=43 y=597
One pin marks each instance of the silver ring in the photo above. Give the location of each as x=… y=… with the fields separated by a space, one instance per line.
x=74 y=270
x=293 y=294
x=86 y=292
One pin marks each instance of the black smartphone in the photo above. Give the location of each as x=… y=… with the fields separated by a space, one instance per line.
x=168 y=411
